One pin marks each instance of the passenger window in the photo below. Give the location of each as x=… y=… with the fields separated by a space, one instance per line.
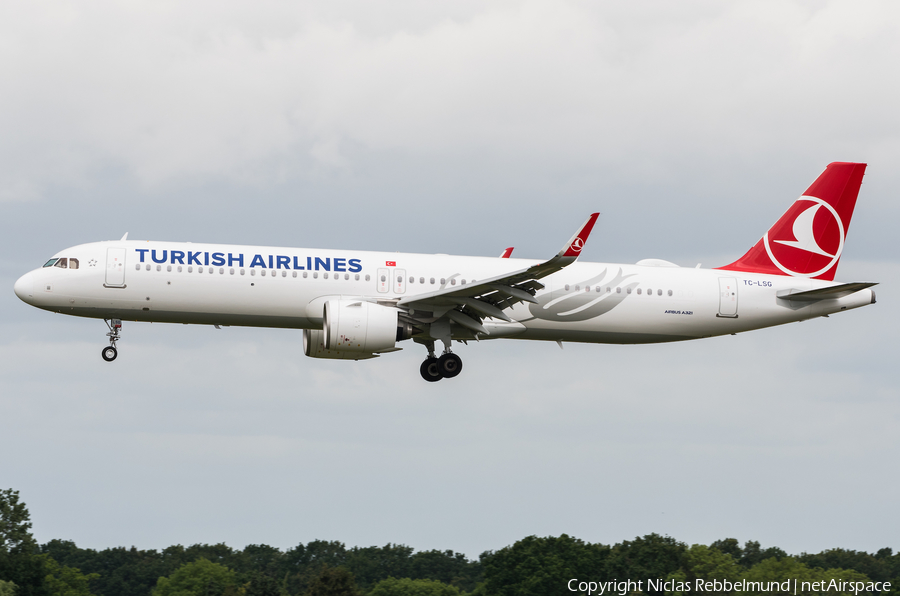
x=169 y=268
x=356 y=277
x=190 y=269
x=137 y=267
x=421 y=280
x=462 y=282
x=346 y=277
x=432 y=281
x=242 y=271
x=159 y=267
x=51 y=261
x=252 y=272
x=578 y=288
x=284 y=274
x=443 y=281
x=61 y=263
x=412 y=279
x=73 y=263
x=597 y=289
x=670 y=292
x=567 y=287
x=315 y=275
x=628 y=290
x=659 y=292
x=383 y=278
x=231 y=271
x=452 y=282
x=304 y=275
x=294 y=274
x=639 y=291
x=148 y=267
x=618 y=290
x=368 y=277
x=325 y=275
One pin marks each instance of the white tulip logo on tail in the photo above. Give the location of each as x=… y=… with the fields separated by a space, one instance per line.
x=577 y=245
x=808 y=237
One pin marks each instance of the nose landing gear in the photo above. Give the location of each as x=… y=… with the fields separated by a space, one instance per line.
x=110 y=352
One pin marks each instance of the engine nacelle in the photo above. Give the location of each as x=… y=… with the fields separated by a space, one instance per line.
x=359 y=326
x=314 y=347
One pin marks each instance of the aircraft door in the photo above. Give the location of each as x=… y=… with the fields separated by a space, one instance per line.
x=399 y=281
x=728 y=297
x=115 y=268
x=383 y=280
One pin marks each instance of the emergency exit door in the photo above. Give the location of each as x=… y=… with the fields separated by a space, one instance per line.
x=728 y=297
x=383 y=281
x=399 y=281
x=115 y=268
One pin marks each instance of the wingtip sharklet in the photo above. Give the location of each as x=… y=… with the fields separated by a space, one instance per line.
x=576 y=243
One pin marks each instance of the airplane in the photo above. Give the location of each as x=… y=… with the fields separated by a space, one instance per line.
x=356 y=305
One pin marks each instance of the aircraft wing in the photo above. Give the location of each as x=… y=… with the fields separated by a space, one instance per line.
x=467 y=305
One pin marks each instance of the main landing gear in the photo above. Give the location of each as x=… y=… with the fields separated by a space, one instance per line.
x=110 y=352
x=447 y=366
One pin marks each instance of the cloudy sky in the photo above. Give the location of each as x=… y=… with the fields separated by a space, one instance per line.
x=454 y=127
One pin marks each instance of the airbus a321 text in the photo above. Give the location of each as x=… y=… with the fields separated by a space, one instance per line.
x=354 y=305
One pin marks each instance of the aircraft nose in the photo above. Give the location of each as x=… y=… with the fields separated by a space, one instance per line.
x=25 y=287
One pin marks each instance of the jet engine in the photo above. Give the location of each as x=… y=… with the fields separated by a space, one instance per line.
x=354 y=329
x=314 y=347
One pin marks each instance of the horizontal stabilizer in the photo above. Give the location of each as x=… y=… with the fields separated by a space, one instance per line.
x=829 y=293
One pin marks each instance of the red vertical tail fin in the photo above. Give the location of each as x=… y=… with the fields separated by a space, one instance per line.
x=807 y=241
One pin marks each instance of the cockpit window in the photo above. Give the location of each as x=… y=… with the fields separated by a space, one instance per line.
x=62 y=263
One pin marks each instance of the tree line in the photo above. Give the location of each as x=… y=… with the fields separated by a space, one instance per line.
x=533 y=566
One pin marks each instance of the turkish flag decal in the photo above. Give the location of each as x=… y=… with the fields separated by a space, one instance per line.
x=390 y=263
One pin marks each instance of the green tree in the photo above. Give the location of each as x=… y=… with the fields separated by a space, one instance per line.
x=413 y=587
x=753 y=554
x=729 y=546
x=18 y=563
x=705 y=563
x=262 y=585
x=652 y=556
x=877 y=567
x=333 y=581
x=789 y=569
x=540 y=566
x=7 y=588
x=200 y=578
x=66 y=581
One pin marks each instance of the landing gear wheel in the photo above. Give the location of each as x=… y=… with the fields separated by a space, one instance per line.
x=430 y=370
x=109 y=353
x=450 y=365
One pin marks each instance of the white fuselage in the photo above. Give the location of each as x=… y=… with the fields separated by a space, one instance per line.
x=286 y=287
